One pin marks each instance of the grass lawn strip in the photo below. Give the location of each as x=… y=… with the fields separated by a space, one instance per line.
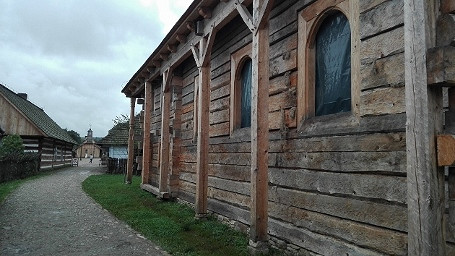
x=169 y=224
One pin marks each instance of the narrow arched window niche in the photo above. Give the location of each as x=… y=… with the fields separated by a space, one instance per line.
x=328 y=61
x=333 y=65
x=241 y=82
x=245 y=92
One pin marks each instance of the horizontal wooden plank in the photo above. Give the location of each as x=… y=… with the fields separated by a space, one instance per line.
x=377 y=187
x=328 y=125
x=320 y=244
x=384 y=215
x=383 y=72
x=229 y=210
x=393 y=162
x=379 y=239
x=382 y=101
x=229 y=197
x=382 y=17
x=383 y=45
x=357 y=142
x=230 y=185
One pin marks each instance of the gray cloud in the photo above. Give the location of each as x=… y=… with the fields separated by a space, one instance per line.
x=74 y=56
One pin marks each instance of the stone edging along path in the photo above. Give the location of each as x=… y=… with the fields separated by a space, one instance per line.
x=53 y=216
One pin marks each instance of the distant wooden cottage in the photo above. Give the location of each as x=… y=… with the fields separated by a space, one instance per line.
x=38 y=131
x=115 y=143
x=314 y=125
x=88 y=147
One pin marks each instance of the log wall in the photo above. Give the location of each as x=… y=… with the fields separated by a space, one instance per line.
x=337 y=186
x=54 y=153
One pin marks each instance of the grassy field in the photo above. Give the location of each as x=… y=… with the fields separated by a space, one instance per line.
x=170 y=225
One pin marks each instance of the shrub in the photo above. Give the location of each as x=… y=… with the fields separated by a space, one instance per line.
x=11 y=144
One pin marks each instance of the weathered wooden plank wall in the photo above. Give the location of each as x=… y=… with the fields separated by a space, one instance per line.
x=336 y=186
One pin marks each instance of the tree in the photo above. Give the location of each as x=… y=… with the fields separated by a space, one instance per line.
x=121 y=119
x=11 y=144
x=75 y=135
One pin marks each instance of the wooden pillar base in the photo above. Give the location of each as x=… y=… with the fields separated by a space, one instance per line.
x=258 y=248
x=201 y=216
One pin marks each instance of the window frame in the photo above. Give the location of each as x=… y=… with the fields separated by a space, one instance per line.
x=237 y=60
x=309 y=22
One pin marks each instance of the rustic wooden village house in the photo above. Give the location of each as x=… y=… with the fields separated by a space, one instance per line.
x=115 y=143
x=40 y=134
x=319 y=127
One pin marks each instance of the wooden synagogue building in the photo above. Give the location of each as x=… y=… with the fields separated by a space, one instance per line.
x=319 y=127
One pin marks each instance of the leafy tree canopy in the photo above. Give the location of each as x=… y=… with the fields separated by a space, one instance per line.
x=122 y=118
x=75 y=135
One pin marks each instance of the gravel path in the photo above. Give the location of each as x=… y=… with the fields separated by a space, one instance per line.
x=53 y=216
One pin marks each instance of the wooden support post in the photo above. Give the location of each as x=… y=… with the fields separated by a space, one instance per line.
x=260 y=129
x=129 y=168
x=164 y=159
x=146 y=144
x=424 y=120
x=202 y=164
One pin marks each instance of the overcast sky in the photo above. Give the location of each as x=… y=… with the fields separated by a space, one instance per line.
x=73 y=57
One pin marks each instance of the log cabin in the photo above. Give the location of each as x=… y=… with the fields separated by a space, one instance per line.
x=318 y=127
x=40 y=134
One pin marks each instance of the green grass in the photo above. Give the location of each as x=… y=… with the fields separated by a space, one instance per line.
x=8 y=187
x=170 y=225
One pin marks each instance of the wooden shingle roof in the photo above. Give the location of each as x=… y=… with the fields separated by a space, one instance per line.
x=118 y=135
x=36 y=115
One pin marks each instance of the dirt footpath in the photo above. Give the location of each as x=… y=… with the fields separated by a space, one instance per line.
x=53 y=216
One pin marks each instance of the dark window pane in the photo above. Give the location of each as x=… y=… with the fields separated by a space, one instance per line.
x=333 y=66
x=246 y=94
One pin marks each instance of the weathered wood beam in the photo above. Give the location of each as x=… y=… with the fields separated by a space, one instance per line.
x=260 y=131
x=190 y=26
x=246 y=15
x=163 y=56
x=129 y=168
x=448 y=6
x=202 y=164
x=423 y=110
x=147 y=148
x=156 y=63
x=195 y=52
x=138 y=90
x=441 y=66
x=181 y=38
x=165 y=120
x=205 y=12
x=221 y=15
x=172 y=48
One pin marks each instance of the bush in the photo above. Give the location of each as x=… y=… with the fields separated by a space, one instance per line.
x=11 y=144
x=14 y=163
x=18 y=166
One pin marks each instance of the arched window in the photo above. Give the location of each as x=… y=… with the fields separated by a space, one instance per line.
x=241 y=81
x=245 y=84
x=328 y=62
x=333 y=66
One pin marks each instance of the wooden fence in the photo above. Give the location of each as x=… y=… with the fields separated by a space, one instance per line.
x=116 y=165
